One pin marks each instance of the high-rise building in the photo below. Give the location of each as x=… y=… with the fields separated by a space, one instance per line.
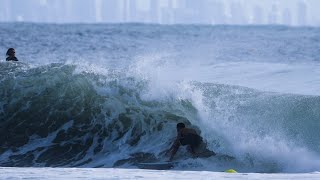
x=5 y=11
x=168 y=14
x=68 y=12
x=286 y=17
x=273 y=14
x=132 y=14
x=29 y=10
x=295 y=12
x=56 y=11
x=194 y=12
x=302 y=13
x=111 y=11
x=207 y=13
x=190 y=11
x=98 y=10
x=237 y=13
x=154 y=11
x=85 y=11
x=258 y=15
x=219 y=15
x=42 y=11
x=203 y=11
x=125 y=10
x=17 y=10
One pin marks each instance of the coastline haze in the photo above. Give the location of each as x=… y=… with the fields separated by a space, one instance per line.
x=240 y=12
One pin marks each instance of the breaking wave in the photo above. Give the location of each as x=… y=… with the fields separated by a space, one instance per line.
x=74 y=115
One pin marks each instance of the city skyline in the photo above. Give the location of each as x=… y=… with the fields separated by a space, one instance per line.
x=286 y=12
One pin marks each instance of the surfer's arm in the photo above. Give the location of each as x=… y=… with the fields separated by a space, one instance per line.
x=174 y=150
x=175 y=146
x=176 y=142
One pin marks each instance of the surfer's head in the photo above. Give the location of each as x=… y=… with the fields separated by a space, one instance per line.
x=11 y=52
x=180 y=126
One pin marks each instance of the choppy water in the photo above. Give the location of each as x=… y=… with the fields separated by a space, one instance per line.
x=111 y=95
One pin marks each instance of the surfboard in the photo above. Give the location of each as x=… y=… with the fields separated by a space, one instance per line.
x=156 y=166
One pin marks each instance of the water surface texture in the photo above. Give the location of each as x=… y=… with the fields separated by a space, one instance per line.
x=111 y=95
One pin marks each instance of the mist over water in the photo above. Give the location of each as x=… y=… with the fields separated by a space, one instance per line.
x=236 y=12
x=106 y=95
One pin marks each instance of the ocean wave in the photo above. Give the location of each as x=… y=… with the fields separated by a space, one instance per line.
x=64 y=114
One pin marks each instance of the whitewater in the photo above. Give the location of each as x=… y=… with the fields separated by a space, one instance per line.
x=110 y=95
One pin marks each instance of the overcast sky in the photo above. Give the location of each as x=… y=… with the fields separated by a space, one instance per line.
x=288 y=12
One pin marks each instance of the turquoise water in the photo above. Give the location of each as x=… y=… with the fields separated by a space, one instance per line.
x=110 y=95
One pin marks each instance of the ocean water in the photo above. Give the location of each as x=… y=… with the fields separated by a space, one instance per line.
x=126 y=173
x=86 y=95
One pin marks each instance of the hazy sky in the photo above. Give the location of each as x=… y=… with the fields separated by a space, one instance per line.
x=291 y=12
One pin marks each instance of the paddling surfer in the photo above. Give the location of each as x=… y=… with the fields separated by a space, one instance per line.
x=11 y=55
x=189 y=137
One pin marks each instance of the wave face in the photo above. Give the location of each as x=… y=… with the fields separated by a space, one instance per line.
x=113 y=94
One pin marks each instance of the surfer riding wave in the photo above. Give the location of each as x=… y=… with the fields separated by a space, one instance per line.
x=190 y=138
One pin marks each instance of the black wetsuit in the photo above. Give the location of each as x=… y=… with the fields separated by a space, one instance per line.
x=11 y=59
x=191 y=139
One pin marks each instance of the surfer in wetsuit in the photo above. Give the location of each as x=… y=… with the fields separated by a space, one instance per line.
x=11 y=55
x=186 y=136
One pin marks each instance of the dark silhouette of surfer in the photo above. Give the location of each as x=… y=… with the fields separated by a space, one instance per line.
x=11 y=55
x=189 y=137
